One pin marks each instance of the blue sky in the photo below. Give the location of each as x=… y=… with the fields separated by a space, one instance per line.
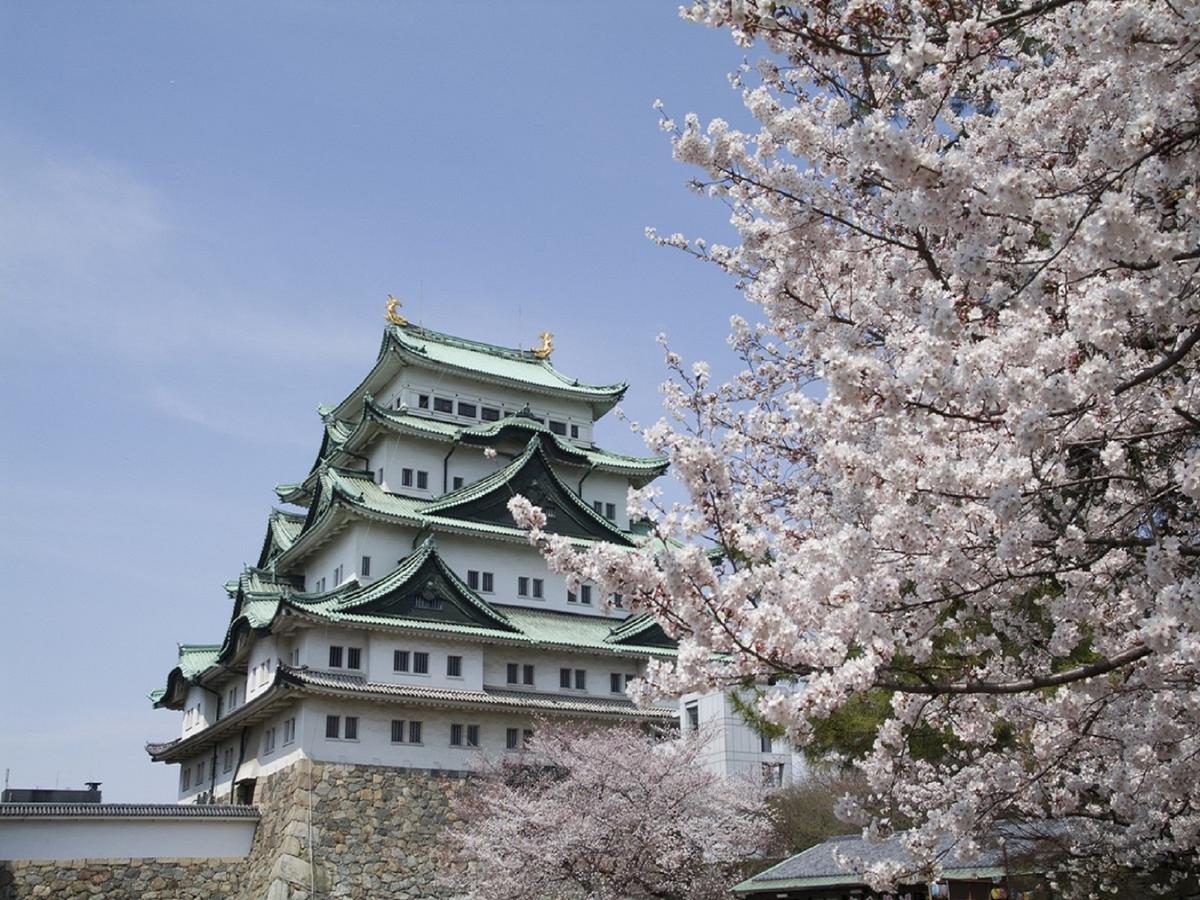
x=202 y=209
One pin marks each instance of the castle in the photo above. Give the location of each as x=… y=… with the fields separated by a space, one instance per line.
x=396 y=616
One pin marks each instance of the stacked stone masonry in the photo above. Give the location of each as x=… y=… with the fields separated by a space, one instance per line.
x=327 y=832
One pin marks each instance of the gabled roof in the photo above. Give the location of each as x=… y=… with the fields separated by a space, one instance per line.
x=282 y=530
x=642 y=630
x=422 y=588
x=413 y=345
x=532 y=475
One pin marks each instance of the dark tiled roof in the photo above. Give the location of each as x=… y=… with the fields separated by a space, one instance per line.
x=125 y=811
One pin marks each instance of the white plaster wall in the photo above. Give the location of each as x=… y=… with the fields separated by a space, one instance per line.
x=382 y=658
x=608 y=488
x=395 y=452
x=412 y=381
x=734 y=749
x=124 y=838
x=508 y=562
x=547 y=666
x=197 y=696
x=385 y=544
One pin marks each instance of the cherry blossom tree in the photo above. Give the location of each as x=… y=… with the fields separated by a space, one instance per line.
x=956 y=478
x=605 y=814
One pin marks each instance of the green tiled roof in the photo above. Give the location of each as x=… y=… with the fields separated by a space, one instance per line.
x=195 y=658
x=508 y=364
x=521 y=369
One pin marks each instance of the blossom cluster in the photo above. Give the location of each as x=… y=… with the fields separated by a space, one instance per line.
x=960 y=466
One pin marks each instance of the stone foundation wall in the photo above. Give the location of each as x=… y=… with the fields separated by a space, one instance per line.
x=328 y=832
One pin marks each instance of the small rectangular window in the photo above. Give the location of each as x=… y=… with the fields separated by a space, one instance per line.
x=692 y=713
x=526 y=737
x=765 y=741
x=598 y=507
x=200 y=767
x=575 y=431
x=559 y=428
x=473 y=579
x=289 y=731
x=441 y=404
x=581 y=679
x=397 y=731
x=454 y=667
x=422 y=480
x=489 y=582
x=414 y=732
x=422 y=401
x=538 y=589
x=522 y=586
x=456 y=483
x=227 y=760
x=380 y=479
x=352 y=728
x=614 y=683
x=187 y=777
x=512 y=738
x=572 y=597
x=406 y=477
x=527 y=674
x=618 y=600
x=564 y=678
x=489 y=414
x=365 y=568
x=421 y=663
x=467 y=410
x=456 y=735
x=335 y=657
x=513 y=673
x=585 y=594
x=472 y=735
x=610 y=511
x=399 y=660
x=337 y=576
x=354 y=657
x=333 y=726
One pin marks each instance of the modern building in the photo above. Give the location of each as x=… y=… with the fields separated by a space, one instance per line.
x=395 y=615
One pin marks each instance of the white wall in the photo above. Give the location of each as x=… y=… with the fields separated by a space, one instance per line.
x=124 y=838
x=734 y=749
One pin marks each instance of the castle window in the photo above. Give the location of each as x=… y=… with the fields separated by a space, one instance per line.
x=456 y=735
x=522 y=586
x=559 y=428
x=513 y=673
x=199 y=773
x=610 y=511
x=472 y=735
x=526 y=737
x=422 y=401
x=441 y=404
x=406 y=477
x=414 y=732
x=365 y=568
x=473 y=579
x=269 y=740
x=397 y=731
x=512 y=738
x=420 y=663
x=467 y=410
x=454 y=667
x=538 y=589
x=618 y=600
x=598 y=507
x=187 y=777
x=489 y=582
x=335 y=657
x=456 y=482
x=337 y=576
x=227 y=760
x=489 y=414
x=353 y=657
x=333 y=726
x=575 y=432
x=581 y=679
x=772 y=774
x=352 y=728
x=571 y=597
x=528 y=674
x=585 y=594
x=614 y=683
x=422 y=480
x=692 y=716
x=399 y=660
x=289 y=731
x=564 y=678
x=765 y=741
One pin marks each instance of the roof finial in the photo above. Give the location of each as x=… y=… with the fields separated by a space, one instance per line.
x=544 y=351
x=392 y=316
